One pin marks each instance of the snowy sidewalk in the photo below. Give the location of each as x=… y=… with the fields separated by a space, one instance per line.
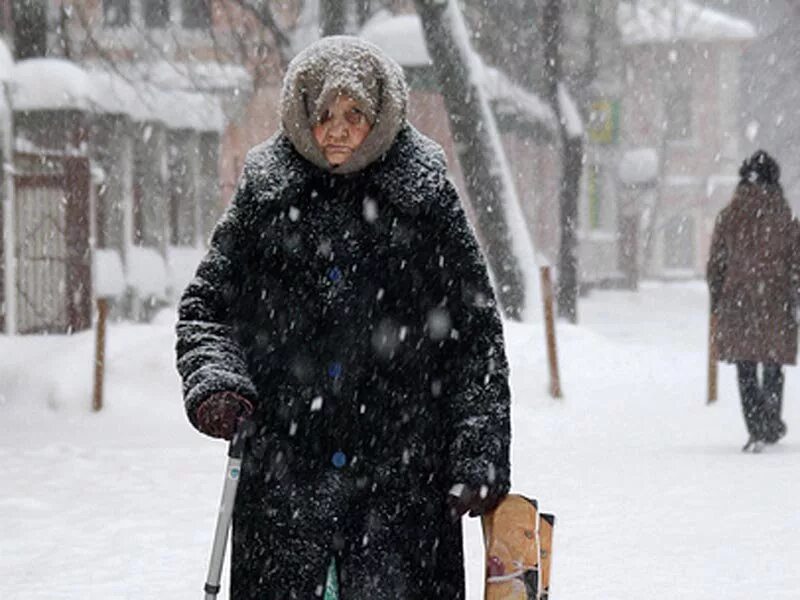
x=652 y=496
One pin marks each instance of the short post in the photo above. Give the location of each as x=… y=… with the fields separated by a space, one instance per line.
x=713 y=357
x=550 y=331
x=100 y=354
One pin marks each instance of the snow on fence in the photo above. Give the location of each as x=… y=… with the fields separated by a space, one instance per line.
x=649 y=21
x=108 y=273
x=51 y=84
x=146 y=273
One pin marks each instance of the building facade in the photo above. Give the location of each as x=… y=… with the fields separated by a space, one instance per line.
x=157 y=99
x=680 y=130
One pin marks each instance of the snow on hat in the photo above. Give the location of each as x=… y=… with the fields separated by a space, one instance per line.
x=760 y=168
x=354 y=67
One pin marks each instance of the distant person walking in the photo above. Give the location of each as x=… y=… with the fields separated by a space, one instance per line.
x=753 y=277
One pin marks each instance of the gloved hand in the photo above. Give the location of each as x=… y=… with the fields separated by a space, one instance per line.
x=219 y=414
x=463 y=498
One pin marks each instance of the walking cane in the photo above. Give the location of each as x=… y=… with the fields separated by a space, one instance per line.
x=235 y=454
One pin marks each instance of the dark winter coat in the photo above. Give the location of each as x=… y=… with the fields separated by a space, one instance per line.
x=752 y=274
x=355 y=312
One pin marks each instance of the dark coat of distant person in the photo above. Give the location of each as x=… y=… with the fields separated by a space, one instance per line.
x=754 y=270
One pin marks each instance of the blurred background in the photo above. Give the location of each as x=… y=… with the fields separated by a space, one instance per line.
x=125 y=124
x=599 y=138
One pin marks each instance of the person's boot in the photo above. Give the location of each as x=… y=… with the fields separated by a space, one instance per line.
x=776 y=432
x=774 y=427
x=753 y=445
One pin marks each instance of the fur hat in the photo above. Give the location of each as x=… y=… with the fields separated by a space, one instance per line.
x=760 y=168
x=343 y=65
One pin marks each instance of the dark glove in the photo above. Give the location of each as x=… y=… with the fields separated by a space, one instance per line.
x=219 y=414
x=463 y=498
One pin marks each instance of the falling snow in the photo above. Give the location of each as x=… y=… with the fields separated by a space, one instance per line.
x=160 y=164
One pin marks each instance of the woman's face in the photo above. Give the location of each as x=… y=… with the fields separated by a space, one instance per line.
x=341 y=129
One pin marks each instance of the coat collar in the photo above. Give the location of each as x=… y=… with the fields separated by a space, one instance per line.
x=410 y=175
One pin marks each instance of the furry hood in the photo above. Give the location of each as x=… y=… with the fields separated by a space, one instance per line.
x=343 y=65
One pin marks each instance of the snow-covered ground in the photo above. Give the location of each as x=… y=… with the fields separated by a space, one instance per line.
x=653 y=498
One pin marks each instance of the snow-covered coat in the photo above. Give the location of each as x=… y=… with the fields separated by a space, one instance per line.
x=753 y=271
x=355 y=313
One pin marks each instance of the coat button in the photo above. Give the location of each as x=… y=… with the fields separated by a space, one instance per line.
x=335 y=274
x=339 y=459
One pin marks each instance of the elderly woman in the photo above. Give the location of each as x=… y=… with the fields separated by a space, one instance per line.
x=345 y=306
x=753 y=277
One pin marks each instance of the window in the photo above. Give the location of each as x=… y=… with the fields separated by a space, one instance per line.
x=196 y=14
x=117 y=13
x=678 y=113
x=156 y=13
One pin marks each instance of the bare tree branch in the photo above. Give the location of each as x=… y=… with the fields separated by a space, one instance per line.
x=243 y=51
x=263 y=12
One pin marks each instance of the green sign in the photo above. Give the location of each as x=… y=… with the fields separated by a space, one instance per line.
x=604 y=122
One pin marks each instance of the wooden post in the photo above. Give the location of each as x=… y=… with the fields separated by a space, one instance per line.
x=712 y=359
x=550 y=331
x=100 y=354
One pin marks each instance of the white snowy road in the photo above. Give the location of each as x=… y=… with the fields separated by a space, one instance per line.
x=652 y=496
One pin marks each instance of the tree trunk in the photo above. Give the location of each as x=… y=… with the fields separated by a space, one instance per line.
x=332 y=17
x=363 y=11
x=476 y=152
x=628 y=249
x=571 y=169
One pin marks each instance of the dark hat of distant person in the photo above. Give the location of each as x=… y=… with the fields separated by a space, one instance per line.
x=760 y=169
